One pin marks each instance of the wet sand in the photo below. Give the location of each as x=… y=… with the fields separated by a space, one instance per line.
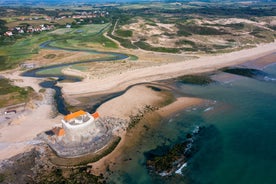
x=261 y=62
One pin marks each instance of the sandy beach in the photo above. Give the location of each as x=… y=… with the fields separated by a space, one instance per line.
x=120 y=81
x=18 y=137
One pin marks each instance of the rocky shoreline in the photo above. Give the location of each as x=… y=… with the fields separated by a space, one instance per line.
x=35 y=167
x=175 y=158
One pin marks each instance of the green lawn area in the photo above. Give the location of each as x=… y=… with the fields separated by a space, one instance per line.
x=54 y=71
x=79 y=38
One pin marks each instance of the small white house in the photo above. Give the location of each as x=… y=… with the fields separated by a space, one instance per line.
x=8 y=33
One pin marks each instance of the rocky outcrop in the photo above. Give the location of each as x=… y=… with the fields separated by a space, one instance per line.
x=35 y=167
x=174 y=158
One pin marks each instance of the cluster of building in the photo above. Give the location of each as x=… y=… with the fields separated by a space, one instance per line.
x=28 y=29
x=75 y=15
x=80 y=17
x=83 y=15
x=35 y=18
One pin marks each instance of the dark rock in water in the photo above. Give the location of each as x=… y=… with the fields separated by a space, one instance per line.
x=154 y=88
x=247 y=72
x=189 y=135
x=167 y=163
x=195 y=79
x=207 y=157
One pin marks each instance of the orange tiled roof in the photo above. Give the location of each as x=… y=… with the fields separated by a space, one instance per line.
x=58 y=131
x=61 y=132
x=74 y=115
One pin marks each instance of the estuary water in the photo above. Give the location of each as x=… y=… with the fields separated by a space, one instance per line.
x=238 y=145
x=61 y=106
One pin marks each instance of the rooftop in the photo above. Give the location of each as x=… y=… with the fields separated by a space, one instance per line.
x=74 y=115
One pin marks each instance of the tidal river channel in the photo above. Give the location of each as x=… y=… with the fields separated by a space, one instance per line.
x=61 y=107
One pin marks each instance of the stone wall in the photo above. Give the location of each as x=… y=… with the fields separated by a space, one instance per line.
x=107 y=127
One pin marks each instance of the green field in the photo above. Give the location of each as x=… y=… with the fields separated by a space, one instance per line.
x=55 y=71
x=82 y=37
x=11 y=95
x=14 y=50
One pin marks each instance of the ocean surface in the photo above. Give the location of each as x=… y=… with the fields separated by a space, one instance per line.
x=238 y=146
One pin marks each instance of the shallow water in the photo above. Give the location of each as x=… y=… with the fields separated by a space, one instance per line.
x=238 y=148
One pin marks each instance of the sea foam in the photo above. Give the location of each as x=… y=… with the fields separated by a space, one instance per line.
x=179 y=171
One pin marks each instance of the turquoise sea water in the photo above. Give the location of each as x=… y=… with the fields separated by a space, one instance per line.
x=239 y=146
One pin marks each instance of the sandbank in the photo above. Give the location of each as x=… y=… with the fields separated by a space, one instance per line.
x=128 y=104
x=131 y=102
x=179 y=104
